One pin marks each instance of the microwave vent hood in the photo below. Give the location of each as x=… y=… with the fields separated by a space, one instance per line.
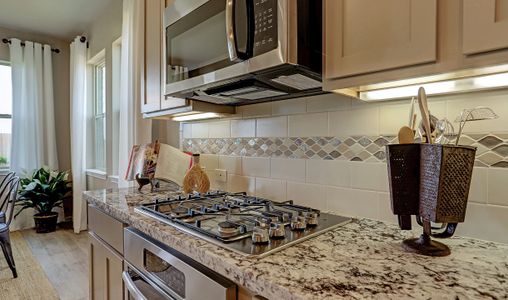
x=283 y=82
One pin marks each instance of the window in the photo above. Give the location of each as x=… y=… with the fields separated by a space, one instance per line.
x=99 y=116
x=5 y=115
x=115 y=105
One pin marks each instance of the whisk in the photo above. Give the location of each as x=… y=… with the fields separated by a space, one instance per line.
x=473 y=114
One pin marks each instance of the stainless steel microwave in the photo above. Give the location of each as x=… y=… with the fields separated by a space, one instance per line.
x=237 y=52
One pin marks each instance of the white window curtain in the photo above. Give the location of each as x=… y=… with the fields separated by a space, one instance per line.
x=78 y=131
x=33 y=122
x=133 y=128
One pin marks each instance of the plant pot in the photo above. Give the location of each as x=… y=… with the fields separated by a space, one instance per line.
x=45 y=222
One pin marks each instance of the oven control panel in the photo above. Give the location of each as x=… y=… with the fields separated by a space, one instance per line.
x=265 y=31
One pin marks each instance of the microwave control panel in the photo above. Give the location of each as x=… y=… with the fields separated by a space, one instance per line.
x=265 y=31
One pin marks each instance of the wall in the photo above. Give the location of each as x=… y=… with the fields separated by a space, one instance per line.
x=60 y=87
x=101 y=34
x=328 y=152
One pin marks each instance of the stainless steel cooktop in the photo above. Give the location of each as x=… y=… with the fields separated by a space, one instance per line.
x=248 y=225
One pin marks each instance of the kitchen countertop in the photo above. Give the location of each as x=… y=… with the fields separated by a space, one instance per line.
x=363 y=259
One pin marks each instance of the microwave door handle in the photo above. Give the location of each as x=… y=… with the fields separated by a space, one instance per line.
x=251 y=27
x=230 y=30
x=135 y=292
x=234 y=54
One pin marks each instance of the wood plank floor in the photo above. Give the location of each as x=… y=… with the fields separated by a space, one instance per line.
x=63 y=256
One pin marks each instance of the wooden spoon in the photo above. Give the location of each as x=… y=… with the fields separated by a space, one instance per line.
x=406 y=135
x=424 y=110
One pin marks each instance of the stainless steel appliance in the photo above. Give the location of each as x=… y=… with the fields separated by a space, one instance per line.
x=248 y=225
x=239 y=52
x=155 y=271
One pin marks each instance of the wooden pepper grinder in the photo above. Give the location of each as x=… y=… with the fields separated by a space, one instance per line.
x=196 y=179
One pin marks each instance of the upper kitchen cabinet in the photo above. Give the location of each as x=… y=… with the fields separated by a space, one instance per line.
x=485 y=25
x=152 y=77
x=364 y=36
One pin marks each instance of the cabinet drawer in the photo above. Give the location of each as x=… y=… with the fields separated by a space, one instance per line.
x=106 y=227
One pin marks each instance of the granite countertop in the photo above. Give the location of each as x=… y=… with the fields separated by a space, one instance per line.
x=361 y=260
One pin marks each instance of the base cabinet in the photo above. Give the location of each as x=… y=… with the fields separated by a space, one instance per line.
x=106 y=267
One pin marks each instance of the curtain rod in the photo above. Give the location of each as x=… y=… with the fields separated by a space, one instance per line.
x=7 y=41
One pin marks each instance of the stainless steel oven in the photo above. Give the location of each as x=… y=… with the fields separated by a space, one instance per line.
x=239 y=52
x=156 y=271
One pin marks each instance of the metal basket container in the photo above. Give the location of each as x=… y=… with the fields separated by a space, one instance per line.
x=445 y=178
x=404 y=174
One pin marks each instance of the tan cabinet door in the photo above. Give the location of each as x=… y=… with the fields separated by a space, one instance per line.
x=485 y=25
x=154 y=10
x=364 y=36
x=106 y=267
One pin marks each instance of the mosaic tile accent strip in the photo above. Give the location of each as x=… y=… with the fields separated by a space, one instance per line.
x=492 y=149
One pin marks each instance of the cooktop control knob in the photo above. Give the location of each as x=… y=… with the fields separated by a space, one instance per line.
x=298 y=223
x=260 y=235
x=277 y=231
x=311 y=218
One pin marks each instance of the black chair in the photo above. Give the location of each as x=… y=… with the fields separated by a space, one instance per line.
x=8 y=194
x=3 y=183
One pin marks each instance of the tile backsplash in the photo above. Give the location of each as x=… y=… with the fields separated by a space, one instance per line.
x=328 y=152
x=492 y=150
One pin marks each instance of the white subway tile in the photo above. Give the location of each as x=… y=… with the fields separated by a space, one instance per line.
x=220 y=129
x=187 y=130
x=498 y=186
x=243 y=128
x=271 y=189
x=495 y=99
x=353 y=203
x=486 y=222
x=209 y=161
x=392 y=116
x=358 y=121
x=478 y=192
x=328 y=102
x=308 y=125
x=256 y=166
x=289 y=107
x=272 y=127
x=237 y=183
x=290 y=169
x=328 y=172
x=200 y=130
x=232 y=164
x=385 y=210
x=255 y=110
x=216 y=184
x=311 y=195
x=369 y=176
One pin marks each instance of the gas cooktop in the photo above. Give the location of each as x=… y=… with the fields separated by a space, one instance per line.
x=248 y=225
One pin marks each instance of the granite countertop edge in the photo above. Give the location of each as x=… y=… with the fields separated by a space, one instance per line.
x=362 y=259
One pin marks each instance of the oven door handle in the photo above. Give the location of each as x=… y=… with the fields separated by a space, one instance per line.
x=135 y=292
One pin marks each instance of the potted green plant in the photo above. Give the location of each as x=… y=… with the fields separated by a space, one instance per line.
x=44 y=190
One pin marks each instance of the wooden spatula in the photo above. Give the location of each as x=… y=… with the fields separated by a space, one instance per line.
x=424 y=110
x=406 y=135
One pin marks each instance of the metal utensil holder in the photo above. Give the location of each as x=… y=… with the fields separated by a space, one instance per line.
x=431 y=181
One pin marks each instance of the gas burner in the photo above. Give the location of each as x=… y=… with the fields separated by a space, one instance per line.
x=236 y=221
x=228 y=229
x=179 y=212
